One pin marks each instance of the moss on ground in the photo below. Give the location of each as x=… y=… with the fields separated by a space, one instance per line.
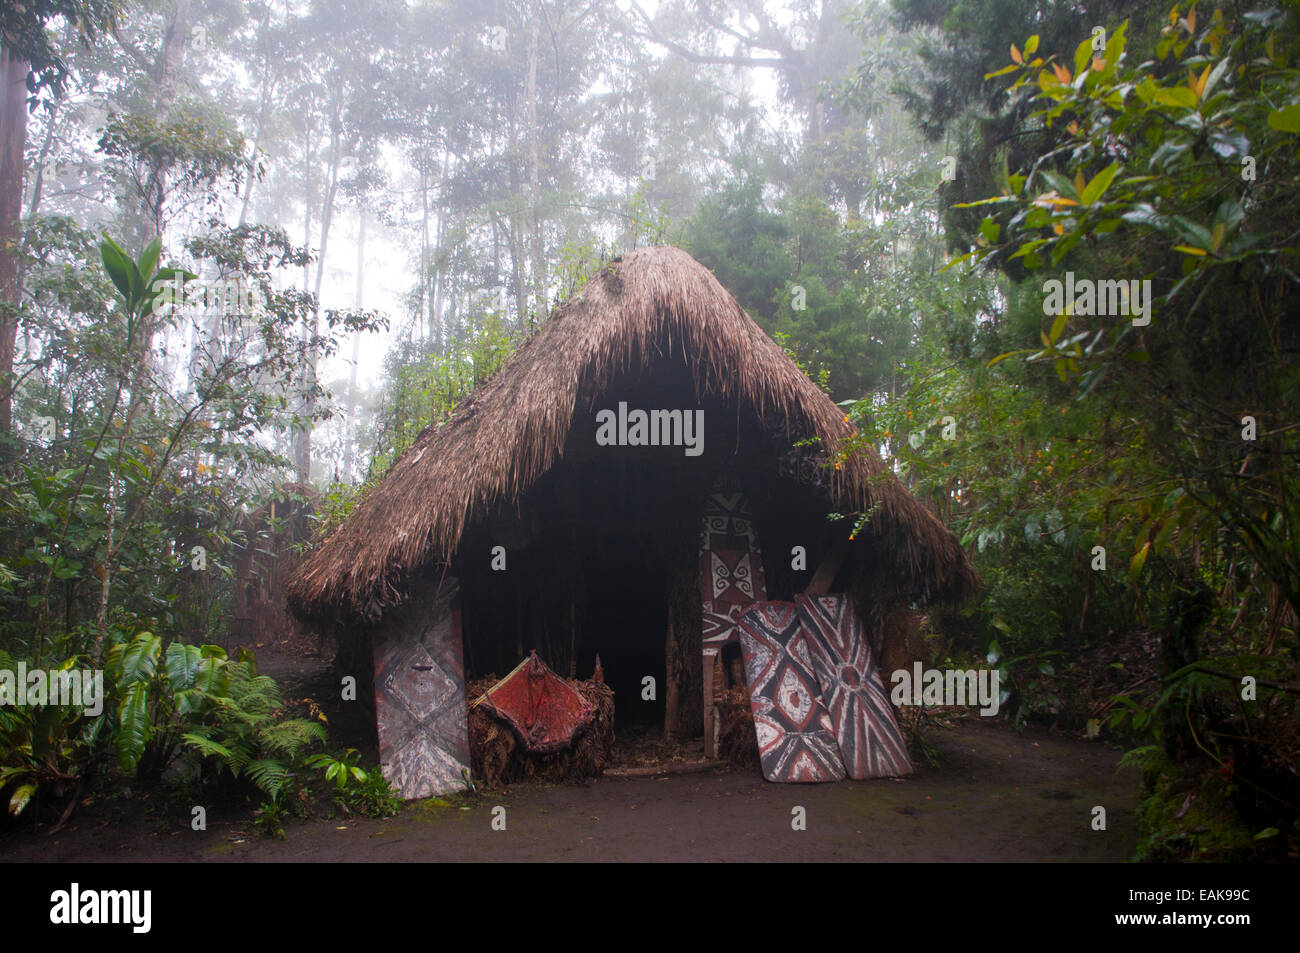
x=1187 y=814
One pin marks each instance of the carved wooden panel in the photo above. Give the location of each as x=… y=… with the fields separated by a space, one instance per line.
x=420 y=695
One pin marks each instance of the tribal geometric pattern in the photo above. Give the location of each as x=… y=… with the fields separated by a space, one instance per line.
x=795 y=735
x=865 y=729
x=731 y=580
x=420 y=696
x=731 y=566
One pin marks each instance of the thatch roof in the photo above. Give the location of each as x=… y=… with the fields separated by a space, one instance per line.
x=514 y=427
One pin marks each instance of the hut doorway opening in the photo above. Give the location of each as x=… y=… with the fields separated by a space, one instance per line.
x=626 y=617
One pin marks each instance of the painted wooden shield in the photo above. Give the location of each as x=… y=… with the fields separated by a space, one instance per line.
x=420 y=695
x=731 y=579
x=796 y=740
x=545 y=711
x=865 y=728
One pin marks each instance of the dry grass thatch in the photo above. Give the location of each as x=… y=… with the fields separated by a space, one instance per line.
x=651 y=302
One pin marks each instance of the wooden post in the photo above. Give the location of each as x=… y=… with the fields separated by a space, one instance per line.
x=684 y=651
x=672 y=688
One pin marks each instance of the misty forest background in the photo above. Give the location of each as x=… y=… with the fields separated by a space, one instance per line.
x=408 y=189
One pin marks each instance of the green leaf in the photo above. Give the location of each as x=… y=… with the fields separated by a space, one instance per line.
x=1286 y=119
x=133 y=726
x=149 y=259
x=1009 y=68
x=995 y=200
x=188 y=701
x=1100 y=182
x=1058 y=326
x=1030 y=247
x=1266 y=833
x=1215 y=75
x=212 y=749
x=269 y=776
x=1082 y=55
x=163 y=288
x=1138 y=561
x=1060 y=183
x=1178 y=96
x=1003 y=357
x=182 y=665
x=1192 y=233
x=1144 y=213
x=121 y=270
x=138 y=660
x=20 y=798
x=211 y=677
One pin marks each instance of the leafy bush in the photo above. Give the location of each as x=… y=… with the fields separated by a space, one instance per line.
x=218 y=711
x=357 y=789
x=44 y=746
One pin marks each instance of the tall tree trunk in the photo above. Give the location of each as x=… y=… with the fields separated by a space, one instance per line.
x=302 y=435
x=167 y=69
x=349 y=442
x=47 y=144
x=539 y=262
x=13 y=141
x=302 y=448
x=263 y=104
x=436 y=324
x=425 y=307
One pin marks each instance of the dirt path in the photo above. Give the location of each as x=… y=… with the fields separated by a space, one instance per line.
x=996 y=796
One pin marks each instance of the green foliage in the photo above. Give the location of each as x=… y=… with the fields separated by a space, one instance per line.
x=26 y=28
x=244 y=733
x=426 y=385
x=357 y=790
x=1175 y=170
x=44 y=748
x=340 y=769
x=1163 y=154
x=218 y=712
x=269 y=818
x=373 y=797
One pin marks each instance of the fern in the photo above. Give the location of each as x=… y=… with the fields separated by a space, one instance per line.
x=269 y=776
x=290 y=737
x=212 y=749
x=1137 y=756
x=246 y=733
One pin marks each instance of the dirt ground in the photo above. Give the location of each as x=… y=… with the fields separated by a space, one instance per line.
x=995 y=796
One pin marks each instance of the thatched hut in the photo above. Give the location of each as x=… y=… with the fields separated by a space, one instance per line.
x=536 y=519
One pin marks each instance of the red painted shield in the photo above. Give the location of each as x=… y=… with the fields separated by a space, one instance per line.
x=544 y=710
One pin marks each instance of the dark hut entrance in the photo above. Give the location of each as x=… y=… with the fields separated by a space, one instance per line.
x=603 y=562
x=625 y=621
